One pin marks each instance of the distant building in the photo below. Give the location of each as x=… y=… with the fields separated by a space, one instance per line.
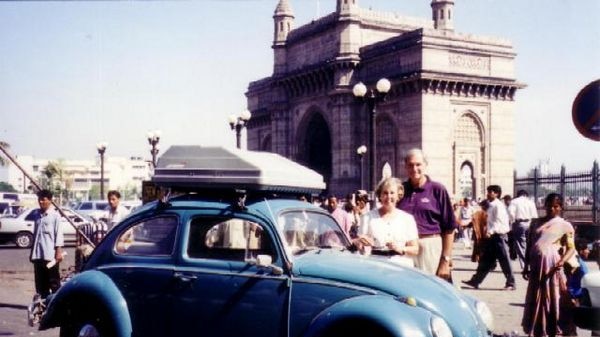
x=81 y=175
x=452 y=95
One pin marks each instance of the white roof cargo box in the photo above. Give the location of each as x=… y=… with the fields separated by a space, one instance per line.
x=200 y=167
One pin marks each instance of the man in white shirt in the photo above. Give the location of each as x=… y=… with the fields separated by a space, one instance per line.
x=115 y=211
x=497 y=240
x=466 y=219
x=521 y=211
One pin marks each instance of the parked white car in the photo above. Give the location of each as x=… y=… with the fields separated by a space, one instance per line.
x=20 y=229
x=587 y=315
x=94 y=208
x=8 y=208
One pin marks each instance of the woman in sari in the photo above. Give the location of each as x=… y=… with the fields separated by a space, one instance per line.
x=543 y=269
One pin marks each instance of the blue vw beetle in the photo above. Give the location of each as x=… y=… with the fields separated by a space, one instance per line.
x=250 y=263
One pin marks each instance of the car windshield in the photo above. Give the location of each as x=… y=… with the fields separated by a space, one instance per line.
x=101 y=205
x=305 y=230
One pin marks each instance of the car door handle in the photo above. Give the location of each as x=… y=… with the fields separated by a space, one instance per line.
x=183 y=277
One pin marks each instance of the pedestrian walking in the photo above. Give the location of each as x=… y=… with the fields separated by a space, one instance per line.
x=521 y=211
x=548 y=237
x=429 y=203
x=47 y=249
x=466 y=222
x=479 y=230
x=495 y=248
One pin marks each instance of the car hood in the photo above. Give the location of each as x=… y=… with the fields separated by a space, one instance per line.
x=430 y=293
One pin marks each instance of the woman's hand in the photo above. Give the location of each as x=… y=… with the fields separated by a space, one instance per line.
x=361 y=242
x=401 y=250
x=365 y=241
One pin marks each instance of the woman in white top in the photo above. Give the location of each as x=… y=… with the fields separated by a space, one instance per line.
x=387 y=230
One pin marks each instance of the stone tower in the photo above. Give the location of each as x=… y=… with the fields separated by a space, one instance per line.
x=442 y=13
x=283 y=23
x=451 y=95
x=345 y=6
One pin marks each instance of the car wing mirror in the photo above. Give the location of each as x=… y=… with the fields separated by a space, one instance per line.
x=264 y=261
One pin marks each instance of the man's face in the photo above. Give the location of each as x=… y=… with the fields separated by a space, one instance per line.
x=415 y=168
x=491 y=195
x=584 y=253
x=332 y=204
x=113 y=201
x=44 y=203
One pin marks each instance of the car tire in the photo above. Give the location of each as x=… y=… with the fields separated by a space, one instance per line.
x=24 y=240
x=87 y=325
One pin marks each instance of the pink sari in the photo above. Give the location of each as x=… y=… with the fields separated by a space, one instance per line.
x=541 y=312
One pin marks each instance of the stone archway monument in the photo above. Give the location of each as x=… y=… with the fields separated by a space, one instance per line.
x=452 y=95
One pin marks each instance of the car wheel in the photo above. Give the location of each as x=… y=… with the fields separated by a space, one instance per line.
x=87 y=326
x=24 y=239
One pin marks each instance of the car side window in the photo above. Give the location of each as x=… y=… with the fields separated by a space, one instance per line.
x=152 y=237
x=85 y=206
x=30 y=216
x=227 y=239
x=101 y=206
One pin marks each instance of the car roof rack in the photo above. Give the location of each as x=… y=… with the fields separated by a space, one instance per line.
x=199 y=169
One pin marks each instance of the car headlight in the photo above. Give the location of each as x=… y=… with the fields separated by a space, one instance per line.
x=486 y=314
x=440 y=328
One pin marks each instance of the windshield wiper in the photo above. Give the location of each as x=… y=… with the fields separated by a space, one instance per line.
x=303 y=250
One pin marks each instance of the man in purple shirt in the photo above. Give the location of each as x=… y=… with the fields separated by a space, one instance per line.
x=429 y=203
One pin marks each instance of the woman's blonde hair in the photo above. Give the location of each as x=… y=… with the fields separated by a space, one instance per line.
x=389 y=183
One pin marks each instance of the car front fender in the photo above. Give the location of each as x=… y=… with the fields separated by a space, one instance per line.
x=90 y=289
x=393 y=316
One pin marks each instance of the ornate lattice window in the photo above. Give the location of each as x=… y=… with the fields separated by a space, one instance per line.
x=385 y=131
x=467 y=131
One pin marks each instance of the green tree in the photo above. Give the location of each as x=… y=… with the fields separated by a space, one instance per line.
x=131 y=192
x=55 y=178
x=6 y=187
x=94 y=193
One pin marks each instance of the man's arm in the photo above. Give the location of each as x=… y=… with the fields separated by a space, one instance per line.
x=59 y=239
x=443 y=270
x=447 y=228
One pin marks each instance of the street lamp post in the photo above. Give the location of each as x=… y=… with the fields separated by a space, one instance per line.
x=101 y=150
x=360 y=151
x=237 y=123
x=153 y=139
x=372 y=96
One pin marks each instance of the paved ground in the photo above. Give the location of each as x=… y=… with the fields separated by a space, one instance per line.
x=16 y=290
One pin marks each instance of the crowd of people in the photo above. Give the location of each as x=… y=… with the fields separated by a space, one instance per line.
x=415 y=224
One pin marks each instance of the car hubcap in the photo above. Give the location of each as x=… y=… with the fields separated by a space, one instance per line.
x=88 y=330
x=23 y=241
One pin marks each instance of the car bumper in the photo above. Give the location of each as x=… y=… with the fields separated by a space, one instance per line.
x=587 y=317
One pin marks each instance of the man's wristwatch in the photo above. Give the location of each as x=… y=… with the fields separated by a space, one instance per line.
x=446 y=258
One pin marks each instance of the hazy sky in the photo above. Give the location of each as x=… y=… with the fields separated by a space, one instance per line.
x=76 y=73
